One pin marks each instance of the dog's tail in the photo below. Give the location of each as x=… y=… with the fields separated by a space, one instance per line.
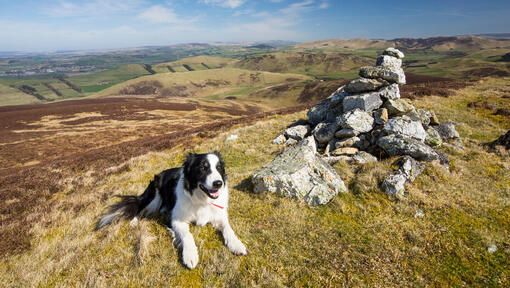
x=130 y=206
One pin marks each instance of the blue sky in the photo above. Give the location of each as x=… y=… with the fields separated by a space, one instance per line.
x=29 y=25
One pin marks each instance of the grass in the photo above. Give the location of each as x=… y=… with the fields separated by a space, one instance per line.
x=195 y=63
x=12 y=96
x=361 y=238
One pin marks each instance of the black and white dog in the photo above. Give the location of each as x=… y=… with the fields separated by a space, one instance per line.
x=196 y=193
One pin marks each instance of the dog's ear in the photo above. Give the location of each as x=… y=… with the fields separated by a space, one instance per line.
x=218 y=154
x=190 y=158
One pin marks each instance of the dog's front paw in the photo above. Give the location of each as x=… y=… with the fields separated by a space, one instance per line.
x=237 y=247
x=190 y=257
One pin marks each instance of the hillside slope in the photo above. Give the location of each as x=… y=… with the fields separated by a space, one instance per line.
x=193 y=64
x=361 y=238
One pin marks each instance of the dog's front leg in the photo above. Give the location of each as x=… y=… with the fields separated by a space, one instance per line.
x=231 y=241
x=189 y=249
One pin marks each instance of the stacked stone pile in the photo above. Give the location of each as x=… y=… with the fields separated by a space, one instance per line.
x=367 y=118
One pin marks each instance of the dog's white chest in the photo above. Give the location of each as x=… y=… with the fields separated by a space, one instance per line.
x=206 y=215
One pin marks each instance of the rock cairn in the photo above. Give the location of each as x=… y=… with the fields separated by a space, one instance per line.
x=359 y=123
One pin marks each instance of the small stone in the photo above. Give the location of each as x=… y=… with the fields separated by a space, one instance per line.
x=410 y=167
x=397 y=107
x=433 y=119
x=393 y=52
x=366 y=102
x=347 y=142
x=231 y=137
x=419 y=213
x=297 y=132
x=380 y=72
x=390 y=62
x=358 y=120
x=424 y=116
x=291 y=142
x=393 y=185
x=433 y=138
x=346 y=132
x=335 y=159
x=492 y=248
x=280 y=139
x=363 y=85
x=390 y=92
x=405 y=126
x=324 y=132
x=345 y=151
x=363 y=157
x=381 y=116
x=447 y=131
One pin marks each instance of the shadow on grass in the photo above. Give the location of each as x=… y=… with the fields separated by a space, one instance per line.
x=245 y=185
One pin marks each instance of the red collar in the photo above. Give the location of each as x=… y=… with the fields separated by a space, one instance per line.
x=221 y=207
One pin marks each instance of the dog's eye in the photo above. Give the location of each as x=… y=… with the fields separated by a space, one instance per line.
x=202 y=168
x=219 y=168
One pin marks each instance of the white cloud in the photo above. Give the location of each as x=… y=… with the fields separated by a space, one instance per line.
x=324 y=5
x=90 y=8
x=159 y=14
x=298 y=8
x=225 y=3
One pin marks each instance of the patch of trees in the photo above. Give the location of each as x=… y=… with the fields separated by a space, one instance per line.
x=170 y=69
x=149 y=68
x=188 y=67
x=69 y=84
x=31 y=91
x=48 y=85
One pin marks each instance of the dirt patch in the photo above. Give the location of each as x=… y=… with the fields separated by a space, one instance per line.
x=421 y=86
x=320 y=90
x=142 y=88
x=486 y=72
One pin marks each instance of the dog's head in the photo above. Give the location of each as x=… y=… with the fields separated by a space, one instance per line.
x=205 y=172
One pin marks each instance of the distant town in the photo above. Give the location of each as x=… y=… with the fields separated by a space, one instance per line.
x=48 y=69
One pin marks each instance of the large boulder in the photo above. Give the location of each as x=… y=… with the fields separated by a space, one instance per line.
x=364 y=85
x=366 y=102
x=299 y=173
x=405 y=126
x=389 y=62
x=358 y=120
x=380 y=72
x=297 y=132
x=395 y=144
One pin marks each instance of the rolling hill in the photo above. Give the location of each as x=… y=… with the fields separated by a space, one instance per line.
x=193 y=64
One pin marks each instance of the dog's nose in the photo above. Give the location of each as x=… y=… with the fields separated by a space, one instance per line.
x=217 y=184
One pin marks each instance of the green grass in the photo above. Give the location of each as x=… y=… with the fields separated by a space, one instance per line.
x=361 y=238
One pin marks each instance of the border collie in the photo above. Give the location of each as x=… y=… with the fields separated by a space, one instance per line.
x=196 y=193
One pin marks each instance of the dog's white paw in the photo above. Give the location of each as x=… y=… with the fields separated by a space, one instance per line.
x=134 y=222
x=190 y=257
x=237 y=247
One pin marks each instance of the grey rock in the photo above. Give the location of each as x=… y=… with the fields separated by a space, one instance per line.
x=433 y=138
x=358 y=120
x=291 y=142
x=299 y=173
x=406 y=127
x=309 y=142
x=410 y=167
x=363 y=85
x=447 y=131
x=297 y=132
x=443 y=159
x=394 y=185
x=390 y=92
x=327 y=109
x=381 y=72
x=280 y=139
x=363 y=157
x=348 y=142
x=335 y=159
x=324 y=132
x=390 y=62
x=395 y=144
x=346 y=132
x=366 y=102
x=424 y=116
x=492 y=248
x=381 y=116
x=394 y=52
x=345 y=151
x=397 y=107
